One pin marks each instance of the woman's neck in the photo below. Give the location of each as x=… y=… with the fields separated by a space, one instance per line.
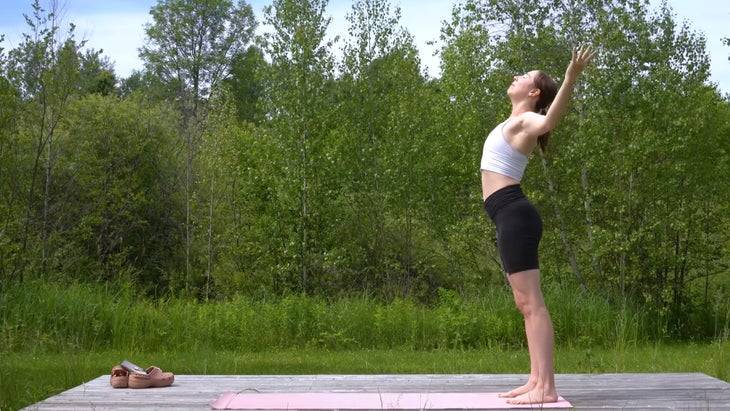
x=521 y=107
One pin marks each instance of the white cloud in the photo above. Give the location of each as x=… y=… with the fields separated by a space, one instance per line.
x=119 y=35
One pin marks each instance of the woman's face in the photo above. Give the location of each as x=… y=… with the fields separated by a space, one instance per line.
x=522 y=84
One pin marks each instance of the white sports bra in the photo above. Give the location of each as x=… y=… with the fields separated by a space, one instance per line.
x=500 y=157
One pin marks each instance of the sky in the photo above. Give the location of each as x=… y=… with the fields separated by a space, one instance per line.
x=117 y=26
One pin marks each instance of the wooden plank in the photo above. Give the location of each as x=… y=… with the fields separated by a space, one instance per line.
x=673 y=391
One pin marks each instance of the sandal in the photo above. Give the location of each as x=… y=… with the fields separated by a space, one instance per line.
x=119 y=377
x=154 y=377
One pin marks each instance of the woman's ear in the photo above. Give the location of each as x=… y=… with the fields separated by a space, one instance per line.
x=534 y=92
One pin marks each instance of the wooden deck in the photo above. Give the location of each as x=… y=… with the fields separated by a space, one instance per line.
x=680 y=391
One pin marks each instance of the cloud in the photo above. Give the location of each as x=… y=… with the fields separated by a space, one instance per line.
x=119 y=35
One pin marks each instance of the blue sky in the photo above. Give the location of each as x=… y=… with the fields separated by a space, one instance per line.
x=116 y=26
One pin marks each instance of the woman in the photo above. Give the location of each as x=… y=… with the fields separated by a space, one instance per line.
x=518 y=223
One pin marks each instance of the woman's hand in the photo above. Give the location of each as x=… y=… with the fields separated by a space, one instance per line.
x=581 y=57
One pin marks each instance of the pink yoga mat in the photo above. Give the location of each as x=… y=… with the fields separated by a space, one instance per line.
x=369 y=401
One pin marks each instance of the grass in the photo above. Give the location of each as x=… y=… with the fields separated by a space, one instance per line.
x=42 y=317
x=54 y=337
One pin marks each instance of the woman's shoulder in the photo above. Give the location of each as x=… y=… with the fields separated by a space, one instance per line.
x=517 y=123
x=521 y=130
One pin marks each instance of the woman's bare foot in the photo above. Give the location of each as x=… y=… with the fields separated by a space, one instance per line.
x=534 y=396
x=518 y=391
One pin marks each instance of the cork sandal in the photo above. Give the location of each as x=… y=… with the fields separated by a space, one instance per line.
x=153 y=377
x=119 y=377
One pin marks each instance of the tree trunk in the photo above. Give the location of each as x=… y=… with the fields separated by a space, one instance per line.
x=561 y=227
x=589 y=223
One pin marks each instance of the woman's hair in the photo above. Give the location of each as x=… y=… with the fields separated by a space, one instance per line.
x=548 y=90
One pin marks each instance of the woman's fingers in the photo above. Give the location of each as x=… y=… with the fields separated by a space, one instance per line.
x=582 y=54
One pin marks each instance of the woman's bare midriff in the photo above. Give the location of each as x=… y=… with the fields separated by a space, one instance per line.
x=492 y=182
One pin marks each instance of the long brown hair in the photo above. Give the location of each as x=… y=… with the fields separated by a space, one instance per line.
x=548 y=90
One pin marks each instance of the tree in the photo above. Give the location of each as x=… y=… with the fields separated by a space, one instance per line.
x=191 y=47
x=114 y=196
x=45 y=70
x=384 y=133
x=97 y=74
x=301 y=69
x=621 y=163
x=246 y=85
x=192 y=44
x=11 y=217
x=639 y=156
x=473 y=85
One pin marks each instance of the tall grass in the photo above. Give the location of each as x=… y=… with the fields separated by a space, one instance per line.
x=41 y=317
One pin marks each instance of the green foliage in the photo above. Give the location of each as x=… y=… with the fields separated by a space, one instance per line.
x=44 y=70
x=247 y=85
x=230 y=171
x=10 y=165
x=629 y=160
x=97 y=74
x=299 y=77
x=617 y=181
x=117 y=177
x=44 y=317
x=191 y=43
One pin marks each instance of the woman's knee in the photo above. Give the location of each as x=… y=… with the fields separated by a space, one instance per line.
x=526 y=291
x=531 y=306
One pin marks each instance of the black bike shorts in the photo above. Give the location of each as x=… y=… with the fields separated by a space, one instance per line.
x=519 y=228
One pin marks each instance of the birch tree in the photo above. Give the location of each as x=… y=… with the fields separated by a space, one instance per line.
x=301 y=69
x=191 y=45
